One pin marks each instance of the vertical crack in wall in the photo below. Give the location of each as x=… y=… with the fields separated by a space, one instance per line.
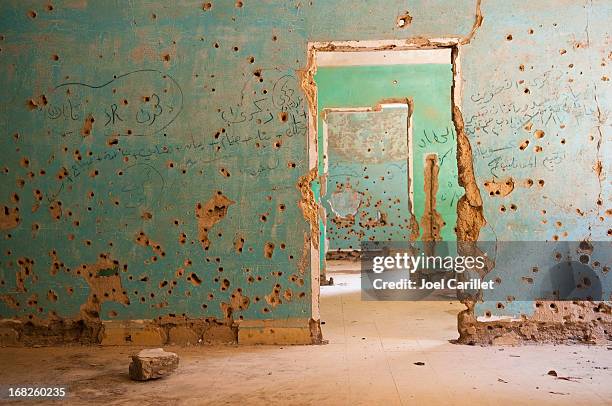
x=431 y=222
x=478 y=18
x=598 y=165
x=470 y=217
x=308 y=204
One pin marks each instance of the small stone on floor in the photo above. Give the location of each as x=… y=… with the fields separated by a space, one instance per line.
x=152 y=364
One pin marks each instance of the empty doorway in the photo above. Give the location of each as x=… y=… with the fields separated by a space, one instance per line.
x=371 y=187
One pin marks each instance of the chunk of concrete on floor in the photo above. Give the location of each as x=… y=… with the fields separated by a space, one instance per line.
x=152 y=364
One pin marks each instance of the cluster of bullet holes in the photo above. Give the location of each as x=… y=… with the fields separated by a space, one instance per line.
x=239 y=244
x=503 y=209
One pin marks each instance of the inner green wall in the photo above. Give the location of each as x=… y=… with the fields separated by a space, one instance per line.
x=429 y=86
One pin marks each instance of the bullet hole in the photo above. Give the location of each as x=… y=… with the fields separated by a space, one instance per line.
x=524 y=145
x=194 y=279
x=502 y=208
x=526 y=91
x=239 y=244
x=274 y=38
x=170 y=164
x=225 y=284
x=207 y=6
x=513 y=207
x=235 y=49
x=32 y=14
x=268 y=250
x=87 y=125
x=55 y=57
x=403 y=20
x=522 y=67
x=500 y=305
x=291 y=165
x=251 y=59
x=555 y=237
x=509 y=37
x=281 y=207
x=584 y=259
x=239 y=4
x=283 y=116
x=541 y=182
x=537 y=148
x=166 y=57
x=539 y=134
x=528 y=182
x=224 y=172
x=530 y=31
x=216 y=45
x=562 y=51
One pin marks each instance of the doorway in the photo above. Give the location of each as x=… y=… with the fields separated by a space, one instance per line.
x=369 y=96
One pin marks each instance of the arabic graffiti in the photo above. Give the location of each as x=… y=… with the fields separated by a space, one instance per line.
x=497 y=113
x=284 y=105
x=499 y=164
x=139 y=103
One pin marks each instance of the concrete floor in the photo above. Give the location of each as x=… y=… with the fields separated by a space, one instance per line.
x=370 y=360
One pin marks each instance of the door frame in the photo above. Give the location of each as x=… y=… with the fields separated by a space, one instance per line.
x=309 y=88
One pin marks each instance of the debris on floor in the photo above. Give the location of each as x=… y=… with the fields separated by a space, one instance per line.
x=152 y=364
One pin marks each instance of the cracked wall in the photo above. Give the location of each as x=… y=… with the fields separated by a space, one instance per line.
x=120 y=120
x=367 y=176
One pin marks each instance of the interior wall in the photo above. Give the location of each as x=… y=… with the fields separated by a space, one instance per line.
x=155 y=166
x=428 y=86
x=367 y=176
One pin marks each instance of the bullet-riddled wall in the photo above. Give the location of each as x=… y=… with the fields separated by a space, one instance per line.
x=154 y=156
x=384 y=214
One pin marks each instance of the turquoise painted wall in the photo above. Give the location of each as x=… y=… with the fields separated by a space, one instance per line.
x=218 y=81
x=367 y=176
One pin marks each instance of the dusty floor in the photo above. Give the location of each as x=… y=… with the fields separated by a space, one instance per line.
x=370 y=359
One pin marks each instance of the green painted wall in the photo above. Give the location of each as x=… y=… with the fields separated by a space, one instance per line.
x=429 y=86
